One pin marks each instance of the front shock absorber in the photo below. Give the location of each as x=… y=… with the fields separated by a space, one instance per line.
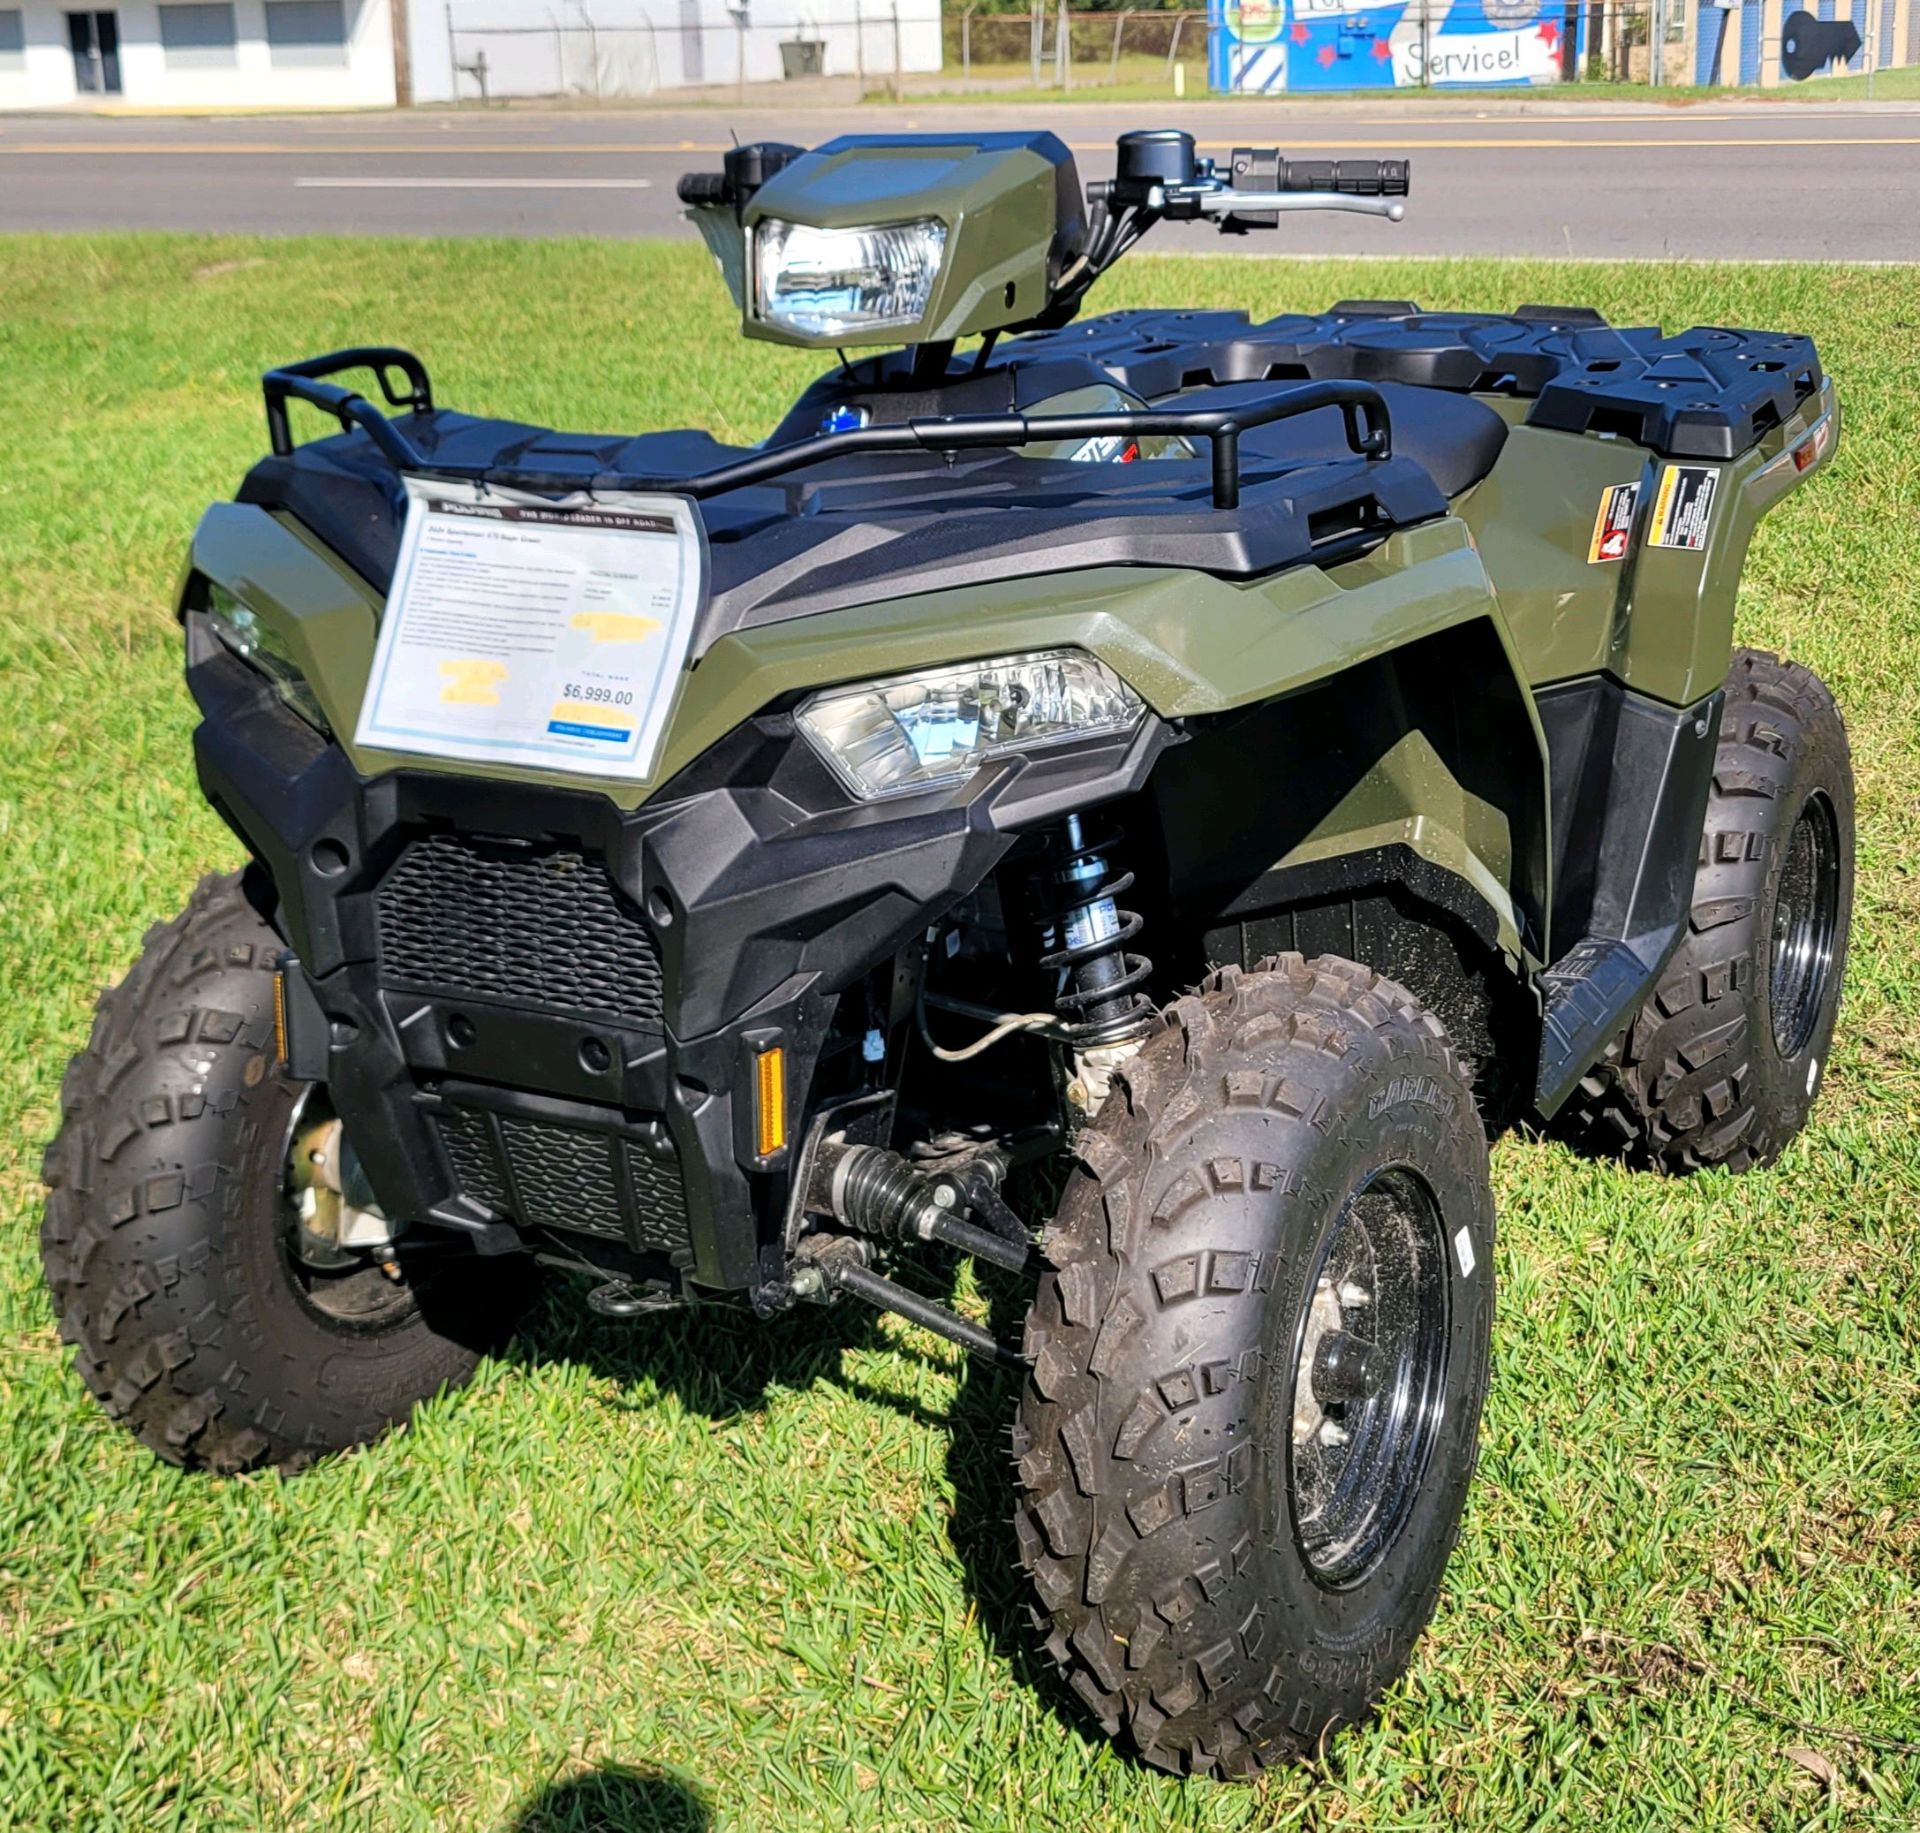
x=1100 y=989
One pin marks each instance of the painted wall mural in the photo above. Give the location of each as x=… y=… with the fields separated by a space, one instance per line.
x=1808 y=45
x=1263 y=46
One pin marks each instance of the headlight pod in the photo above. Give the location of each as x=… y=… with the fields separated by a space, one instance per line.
x=908 y=732
x=828 y=282
x=262 y=648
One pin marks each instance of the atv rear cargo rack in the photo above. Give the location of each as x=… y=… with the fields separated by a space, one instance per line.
x=1369 y=430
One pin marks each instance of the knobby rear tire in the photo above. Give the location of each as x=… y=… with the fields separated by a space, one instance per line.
x=1722 y=1063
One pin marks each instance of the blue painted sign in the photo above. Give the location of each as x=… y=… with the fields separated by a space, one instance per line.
x=1265 y=46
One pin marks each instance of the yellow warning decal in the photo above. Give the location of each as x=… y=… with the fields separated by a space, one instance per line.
x=1683 y=507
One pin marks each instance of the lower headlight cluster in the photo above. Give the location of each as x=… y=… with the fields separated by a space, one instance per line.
x=258 y=644
x=886 y=738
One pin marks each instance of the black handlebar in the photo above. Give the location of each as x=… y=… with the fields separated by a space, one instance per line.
x=704 y=190
x=1369 y=430
x=1345 y=177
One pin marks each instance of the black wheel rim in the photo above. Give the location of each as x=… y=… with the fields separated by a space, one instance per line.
x=1806 y=922
x=1370 y=1362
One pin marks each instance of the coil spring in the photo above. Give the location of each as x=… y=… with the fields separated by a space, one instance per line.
x=1102 y=997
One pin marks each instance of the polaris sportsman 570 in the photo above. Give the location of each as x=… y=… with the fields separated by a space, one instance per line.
x=1135 y=801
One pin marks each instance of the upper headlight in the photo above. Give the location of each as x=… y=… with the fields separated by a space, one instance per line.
x=827 y=282
x=240 y=628
x=884 y=738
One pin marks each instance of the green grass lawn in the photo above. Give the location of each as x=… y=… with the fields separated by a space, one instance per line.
x=706 y=1575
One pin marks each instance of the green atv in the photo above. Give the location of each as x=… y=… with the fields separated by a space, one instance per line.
x=1136 y=802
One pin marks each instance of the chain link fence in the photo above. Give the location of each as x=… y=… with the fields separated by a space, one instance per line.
x=1051 y=48
x=606 y=51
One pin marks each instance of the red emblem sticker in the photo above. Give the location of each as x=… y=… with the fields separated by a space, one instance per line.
x=1613 y=526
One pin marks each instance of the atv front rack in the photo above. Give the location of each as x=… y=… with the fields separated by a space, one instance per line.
x=1369 y=430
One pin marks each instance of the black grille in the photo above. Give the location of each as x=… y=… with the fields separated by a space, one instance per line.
x=549 y=929
x=566 y=1177
x=659 y=1200
x=470 y=1154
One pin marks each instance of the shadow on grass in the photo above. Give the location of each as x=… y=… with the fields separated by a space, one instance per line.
x=614 y=1799
x=721 y=1362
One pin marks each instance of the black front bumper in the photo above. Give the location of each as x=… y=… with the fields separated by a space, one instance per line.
x=534 y=1010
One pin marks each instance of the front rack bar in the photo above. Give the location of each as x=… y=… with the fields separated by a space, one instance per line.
x=1369 y=430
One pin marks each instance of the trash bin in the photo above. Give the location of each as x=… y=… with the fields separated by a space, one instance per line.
x=802 y=57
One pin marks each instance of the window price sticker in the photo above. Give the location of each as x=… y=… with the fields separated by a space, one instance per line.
x=522 y=631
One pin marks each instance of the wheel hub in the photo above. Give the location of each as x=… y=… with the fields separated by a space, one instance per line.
x=1368 y=1377
x=1806 y=923
x=1338 y=1359
x=337 y=1242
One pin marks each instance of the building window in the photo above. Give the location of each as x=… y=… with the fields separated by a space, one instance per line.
x=13 y=40
x=306 y=32
x=199 y=36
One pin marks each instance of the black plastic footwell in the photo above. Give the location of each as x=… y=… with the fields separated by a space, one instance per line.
x=1631 y=779
x=1591 y=991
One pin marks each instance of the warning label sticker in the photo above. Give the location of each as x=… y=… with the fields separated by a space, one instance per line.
x=1613 y=526
x=1683 y=508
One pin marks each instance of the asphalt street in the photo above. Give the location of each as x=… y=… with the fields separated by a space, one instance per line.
x=1752 y=181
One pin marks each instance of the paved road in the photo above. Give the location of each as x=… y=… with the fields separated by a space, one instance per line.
x=1738 y=181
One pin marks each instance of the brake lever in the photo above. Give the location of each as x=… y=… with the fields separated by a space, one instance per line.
x=1268 y=203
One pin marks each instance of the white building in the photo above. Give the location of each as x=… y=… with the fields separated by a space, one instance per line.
x=214 y=54
x=198 y=54
x=605 y=48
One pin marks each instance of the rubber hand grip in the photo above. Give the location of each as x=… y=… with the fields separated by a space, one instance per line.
x=1347 y=177
x=704 y=189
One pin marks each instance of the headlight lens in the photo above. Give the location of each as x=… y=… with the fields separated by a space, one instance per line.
x=827 y=282
x=885 y=738
x=261 y=647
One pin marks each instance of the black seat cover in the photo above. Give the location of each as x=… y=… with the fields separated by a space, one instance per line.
x=1453 y=438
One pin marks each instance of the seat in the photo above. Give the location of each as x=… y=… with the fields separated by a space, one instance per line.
x=1453 y=438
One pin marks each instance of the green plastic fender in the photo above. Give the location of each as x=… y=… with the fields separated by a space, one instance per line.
x=1189 y=644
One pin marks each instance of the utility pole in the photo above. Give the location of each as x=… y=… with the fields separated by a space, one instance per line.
x=402 y=63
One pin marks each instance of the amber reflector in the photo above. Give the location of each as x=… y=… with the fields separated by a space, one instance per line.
x=280 y=1017
x=770 y=1100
